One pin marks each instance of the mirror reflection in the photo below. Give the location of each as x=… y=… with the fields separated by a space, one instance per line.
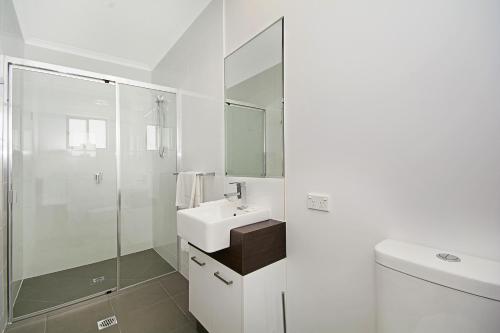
x=254 y=106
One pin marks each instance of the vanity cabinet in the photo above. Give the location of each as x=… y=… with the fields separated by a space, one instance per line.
x=245 y=301
x=216 y=303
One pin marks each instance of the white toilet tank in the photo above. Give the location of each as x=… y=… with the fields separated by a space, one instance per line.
x=419 y=291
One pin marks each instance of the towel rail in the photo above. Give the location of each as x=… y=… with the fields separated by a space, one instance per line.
x=199 y=173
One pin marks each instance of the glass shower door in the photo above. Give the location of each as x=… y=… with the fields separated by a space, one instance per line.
x=148 y=160
x=64 y=212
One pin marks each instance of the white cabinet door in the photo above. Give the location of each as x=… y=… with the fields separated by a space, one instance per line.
x=225 y=302
x=227 y=305
x=262 y=302
x=200 y=293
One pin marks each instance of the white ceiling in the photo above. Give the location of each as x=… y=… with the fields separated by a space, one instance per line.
x=135 y=33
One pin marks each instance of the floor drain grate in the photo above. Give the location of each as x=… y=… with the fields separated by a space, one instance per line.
x=98 y=280
x=105 y=323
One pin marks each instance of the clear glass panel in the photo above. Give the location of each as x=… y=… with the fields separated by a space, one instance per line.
x=148 y=215
x=64 y=180
x=245 y=141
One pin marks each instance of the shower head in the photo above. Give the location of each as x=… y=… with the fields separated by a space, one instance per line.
x=160 y=99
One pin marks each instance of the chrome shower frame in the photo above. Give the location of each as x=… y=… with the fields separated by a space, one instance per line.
x=11 y=63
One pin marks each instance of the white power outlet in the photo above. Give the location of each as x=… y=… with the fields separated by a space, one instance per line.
x=318 y=202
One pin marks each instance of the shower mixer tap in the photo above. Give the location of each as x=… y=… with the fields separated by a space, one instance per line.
x=241 y=193
x=98 y=177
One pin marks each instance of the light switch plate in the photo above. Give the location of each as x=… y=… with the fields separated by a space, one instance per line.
x=317 y=201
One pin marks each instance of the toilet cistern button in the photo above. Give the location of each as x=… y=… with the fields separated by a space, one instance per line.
x=448 y=257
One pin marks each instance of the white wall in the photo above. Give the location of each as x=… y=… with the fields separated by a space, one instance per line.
x=9 y=23
x=12 y=44
x=194 y=65
x=243 y=20
x=75 y=61
x=11 y=37
x=392 y=109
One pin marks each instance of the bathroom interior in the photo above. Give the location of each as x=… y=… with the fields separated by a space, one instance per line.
x=250 y=166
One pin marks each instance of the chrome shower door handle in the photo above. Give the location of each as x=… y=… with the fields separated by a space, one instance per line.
x=98 y=177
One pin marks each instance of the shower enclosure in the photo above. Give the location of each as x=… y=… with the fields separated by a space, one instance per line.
x=90 y=161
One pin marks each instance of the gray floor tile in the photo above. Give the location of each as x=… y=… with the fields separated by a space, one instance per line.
x=56 y=288
x=27 y=306
x=143 y=309
x=200 y=328
x=174 y=284
x=189 y=328
x=138 y=297
x=82 y=320
x=101 y=268
x=182 y=301
x=29 y=326
x=162 y=317
x=53 y=289
x=141 y=266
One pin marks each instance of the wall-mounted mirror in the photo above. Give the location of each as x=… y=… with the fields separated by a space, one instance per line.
x=253 y=83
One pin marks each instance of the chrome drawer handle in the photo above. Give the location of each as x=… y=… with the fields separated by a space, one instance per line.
x=217 y=275
x=197 y=261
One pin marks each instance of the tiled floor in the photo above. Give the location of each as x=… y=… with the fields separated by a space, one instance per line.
x=45 y=291
x=159 y=306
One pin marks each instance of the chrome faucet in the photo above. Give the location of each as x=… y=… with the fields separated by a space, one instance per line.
x=241 y=193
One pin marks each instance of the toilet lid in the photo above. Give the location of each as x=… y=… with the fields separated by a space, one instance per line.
x=470 y=274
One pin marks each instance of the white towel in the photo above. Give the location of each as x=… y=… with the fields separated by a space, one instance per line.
x=189 y=190
x=189 y=195
x=198 y=191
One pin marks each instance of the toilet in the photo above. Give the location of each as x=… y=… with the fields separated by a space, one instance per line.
x=425 y=290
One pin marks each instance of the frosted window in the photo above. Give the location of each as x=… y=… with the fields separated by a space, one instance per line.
x=77 y=133
x=86 y=133
x=151 y=137
x=97 y=133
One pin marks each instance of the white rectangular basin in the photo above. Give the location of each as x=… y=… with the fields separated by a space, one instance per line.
x=208 y=226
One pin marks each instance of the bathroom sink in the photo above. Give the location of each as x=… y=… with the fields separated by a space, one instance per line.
x=208 y=226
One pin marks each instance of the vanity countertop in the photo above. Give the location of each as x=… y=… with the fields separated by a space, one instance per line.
x=253 y=246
